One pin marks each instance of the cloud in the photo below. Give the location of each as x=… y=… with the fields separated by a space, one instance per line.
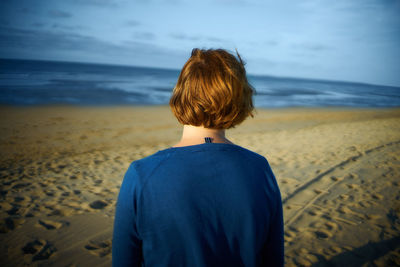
x=55 y=13
x=312 y=47
x=25 y=10
x=182 y=36
x=27 y=39
x=198 y=39
x=39 y=44
x=67 y=27
x=99 y=3
x=132 y=23
x=144 y=35
x=38 y=24
x=214 y=39
x=316 y=47
x=4 y=22
x=271 y=43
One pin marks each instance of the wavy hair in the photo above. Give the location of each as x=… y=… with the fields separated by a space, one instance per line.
x=212 y=90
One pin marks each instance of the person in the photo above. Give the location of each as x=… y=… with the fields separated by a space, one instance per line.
x=204 y=201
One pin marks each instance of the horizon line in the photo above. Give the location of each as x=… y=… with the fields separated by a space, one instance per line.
x=178 y=70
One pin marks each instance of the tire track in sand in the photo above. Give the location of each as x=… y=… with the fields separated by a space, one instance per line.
x=310 y=191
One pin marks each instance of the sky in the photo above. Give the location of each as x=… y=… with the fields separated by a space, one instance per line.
x=346 y=40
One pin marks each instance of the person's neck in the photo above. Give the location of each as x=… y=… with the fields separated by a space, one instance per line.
x=194 y=135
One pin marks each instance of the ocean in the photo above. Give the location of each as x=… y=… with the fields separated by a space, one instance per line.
x=31 y=82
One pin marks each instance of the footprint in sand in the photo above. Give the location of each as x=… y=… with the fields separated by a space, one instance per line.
x=98 y=204
x=289 y=235
x=336 y=250
x=98 y=182
x=396 y=183
x=14 y=209
x=344 y=210
x=22 y=199
x=362 y=204
x=40 y=248
x=377 y=196
x=5 y=206
x=10 y=223
x=331 y=226
x=352 y=186
x=323 y=234
x=335 y=179
x=58 y=210
x=19 y=186
x=319 y=191
x=49 y=225
x=34 y=246
x=353 y=176
x=100 y=249
x=314 y=212
x=372 y=216
x=304 y=258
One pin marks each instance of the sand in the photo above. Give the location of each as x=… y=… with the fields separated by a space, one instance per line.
x=61 y=168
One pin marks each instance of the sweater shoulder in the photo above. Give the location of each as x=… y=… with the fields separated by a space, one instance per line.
x=254 y=156
x=144 y=167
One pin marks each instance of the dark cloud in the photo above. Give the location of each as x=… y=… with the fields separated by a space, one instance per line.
x=67 y=27
x=55 y=13
x=38 y=24
x=60 y=45
x=4 y=22
x=98 y=3
x=32 y=39
x=25 y=10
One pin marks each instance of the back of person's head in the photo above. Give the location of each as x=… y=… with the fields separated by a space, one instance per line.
x=212 y=90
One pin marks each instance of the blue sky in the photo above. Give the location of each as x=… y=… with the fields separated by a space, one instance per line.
x=350 y=40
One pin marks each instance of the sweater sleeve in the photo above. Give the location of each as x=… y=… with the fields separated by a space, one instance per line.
x=273 y=254
x=126 y=244
x=273 y=249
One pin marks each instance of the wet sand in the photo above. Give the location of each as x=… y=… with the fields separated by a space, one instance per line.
x=61 y=168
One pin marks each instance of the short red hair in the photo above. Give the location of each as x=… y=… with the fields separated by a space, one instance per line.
x=212 y=90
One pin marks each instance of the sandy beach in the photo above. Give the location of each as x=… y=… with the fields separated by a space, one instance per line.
x=61 y=168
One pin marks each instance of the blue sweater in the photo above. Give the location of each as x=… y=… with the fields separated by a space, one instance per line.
x=211 y=204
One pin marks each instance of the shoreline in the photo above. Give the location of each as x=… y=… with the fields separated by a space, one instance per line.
x=62 y=165
x=56 y=105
